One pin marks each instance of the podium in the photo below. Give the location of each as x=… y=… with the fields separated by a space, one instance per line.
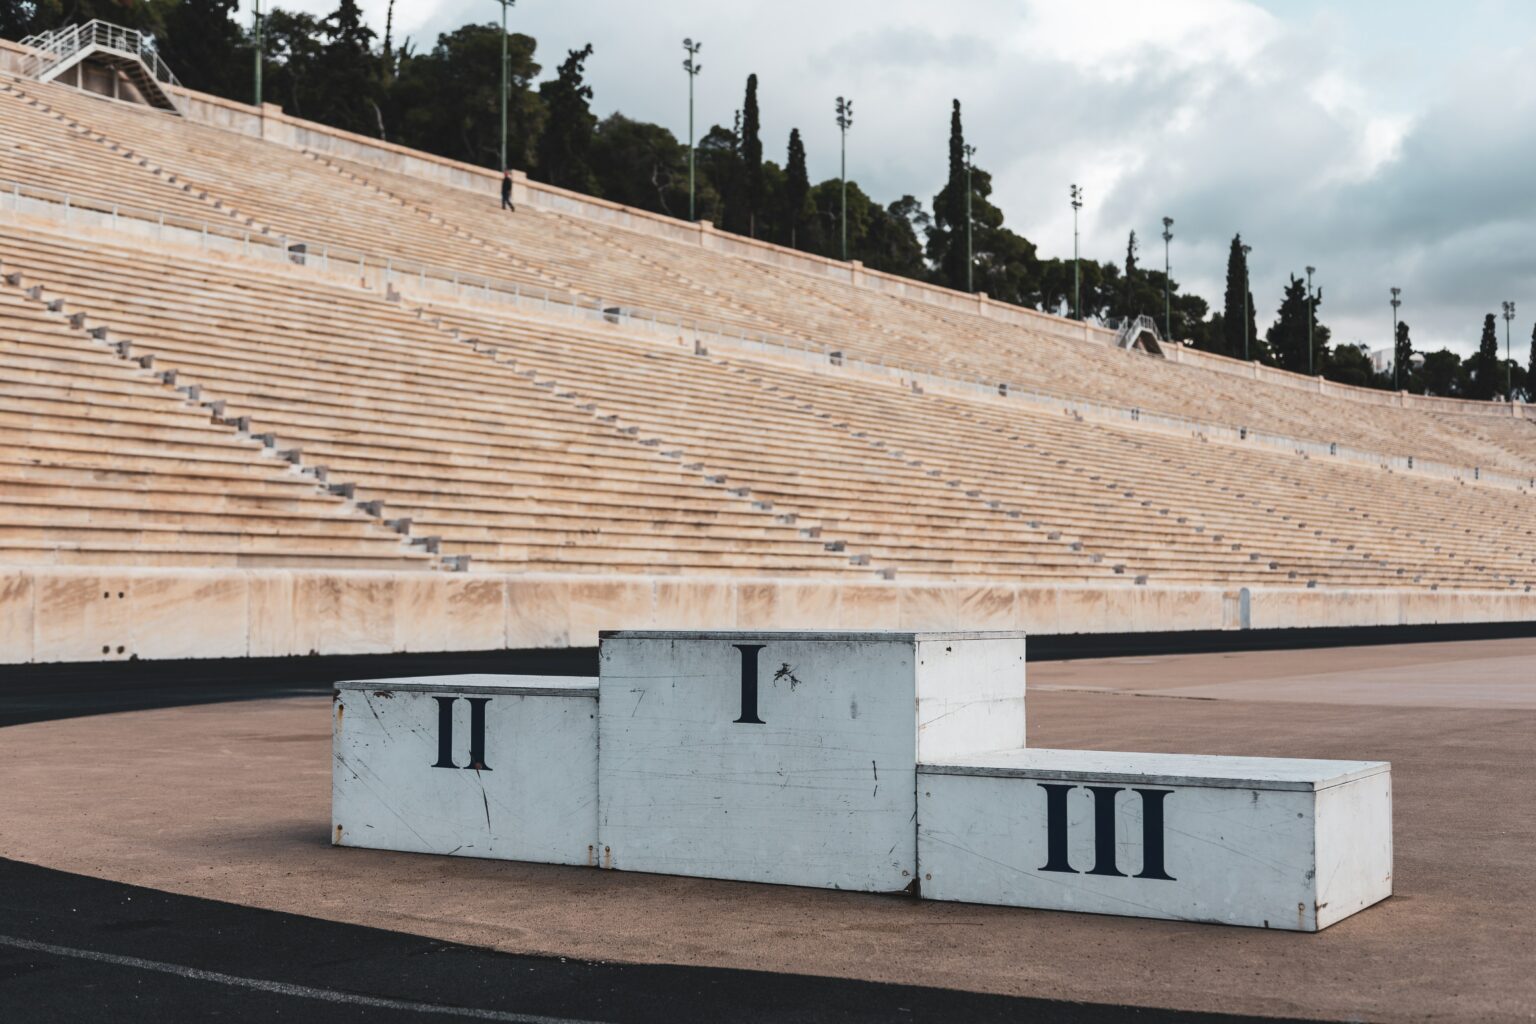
x=888 y=761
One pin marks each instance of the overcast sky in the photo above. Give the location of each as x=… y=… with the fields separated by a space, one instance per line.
x=1384 y=143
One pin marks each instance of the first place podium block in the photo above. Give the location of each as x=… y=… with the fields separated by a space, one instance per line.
x=790 y=757
x=472 y=765
x=1261 y=841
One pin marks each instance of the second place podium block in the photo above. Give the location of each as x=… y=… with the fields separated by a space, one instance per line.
x=472 y=765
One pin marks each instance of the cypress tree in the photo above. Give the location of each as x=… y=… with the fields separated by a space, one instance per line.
x=567 y=137
x=1486 y=381
x=1238 y=312
x=1402 y=354
x=752 y=156
x=1530 y=372
x=797 y=186
x=1287 y=336
x=1130 y=274
x=949 y=211
x=349 y=81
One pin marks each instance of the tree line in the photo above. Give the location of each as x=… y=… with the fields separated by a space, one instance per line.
x=446 y=100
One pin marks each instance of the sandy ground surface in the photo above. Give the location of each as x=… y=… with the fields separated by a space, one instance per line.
x=231 y=802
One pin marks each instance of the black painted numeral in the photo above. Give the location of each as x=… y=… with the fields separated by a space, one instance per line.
x=749 y=684
x=1104 y=846
x=476 y=733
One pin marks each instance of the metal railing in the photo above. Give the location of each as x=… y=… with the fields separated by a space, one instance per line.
x=385 y=273
x=59 y=45
x=1130 y=327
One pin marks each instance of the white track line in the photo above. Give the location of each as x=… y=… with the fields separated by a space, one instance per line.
x=283 y=988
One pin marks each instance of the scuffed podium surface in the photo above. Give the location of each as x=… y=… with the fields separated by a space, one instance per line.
x=472 y=765
x=1261 y=841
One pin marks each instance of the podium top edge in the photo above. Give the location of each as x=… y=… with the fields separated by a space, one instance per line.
x=1214 y=771
x=829 y=635
x=481 y=682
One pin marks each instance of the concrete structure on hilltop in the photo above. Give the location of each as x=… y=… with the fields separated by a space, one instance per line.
x=272 y=388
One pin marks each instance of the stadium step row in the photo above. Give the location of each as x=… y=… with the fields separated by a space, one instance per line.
x=104 y=463
x=387 y=213
x=646 y=386
x=524 y=442
x=381 y=398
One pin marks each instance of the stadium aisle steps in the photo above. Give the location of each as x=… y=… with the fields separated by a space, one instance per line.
x=410 y=420
x=103 y=463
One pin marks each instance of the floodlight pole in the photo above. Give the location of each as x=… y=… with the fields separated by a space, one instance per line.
x=1311 y=315
x=692 y=67
x=970 y=259
x=1077 y=276
x=1396 y=375
x=844 y=122
x=1246 y=249
x=506 y=81
x=257 y=31
x=1167 y=279
x=1509 y=314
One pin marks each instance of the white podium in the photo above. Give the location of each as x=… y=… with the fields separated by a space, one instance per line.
x=874 y=761
x=789 y=757
x=1261 y=841
x=470 y=765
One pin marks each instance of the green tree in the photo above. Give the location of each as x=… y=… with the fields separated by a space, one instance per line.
x=1441 y=373
x=19 y=18
x=1127 y=305
x=1351 y=364
x=204 y=46
x=349 y=91
x=291 y=74
x=946 y=241
x=1238 y=314
x=1530 y=371
x=1402 y=355
x=751 y=156
x=567 y=137
x=448 y=100
x=1287 y=337
x=797 y=188
x=882 y=238
x=1484 y=377
x=718 y=156
x=641 y=165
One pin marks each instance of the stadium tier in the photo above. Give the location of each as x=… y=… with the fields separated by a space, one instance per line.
x=239 y=342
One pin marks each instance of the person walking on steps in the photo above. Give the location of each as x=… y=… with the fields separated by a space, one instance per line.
x=506 y=190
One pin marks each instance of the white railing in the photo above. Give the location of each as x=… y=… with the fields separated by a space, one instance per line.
x=56 y=47
x=232 y=238
x=1130 y=327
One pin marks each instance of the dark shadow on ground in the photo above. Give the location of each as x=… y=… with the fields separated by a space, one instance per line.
x=77 y=913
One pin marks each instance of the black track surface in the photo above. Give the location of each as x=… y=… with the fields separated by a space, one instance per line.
x=80 y=913
x=36 y=693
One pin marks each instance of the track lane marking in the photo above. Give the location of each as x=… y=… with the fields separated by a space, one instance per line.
x=284 y=988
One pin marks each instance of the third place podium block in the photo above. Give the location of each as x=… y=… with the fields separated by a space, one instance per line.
x=1261 y=841
x=789 y=757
